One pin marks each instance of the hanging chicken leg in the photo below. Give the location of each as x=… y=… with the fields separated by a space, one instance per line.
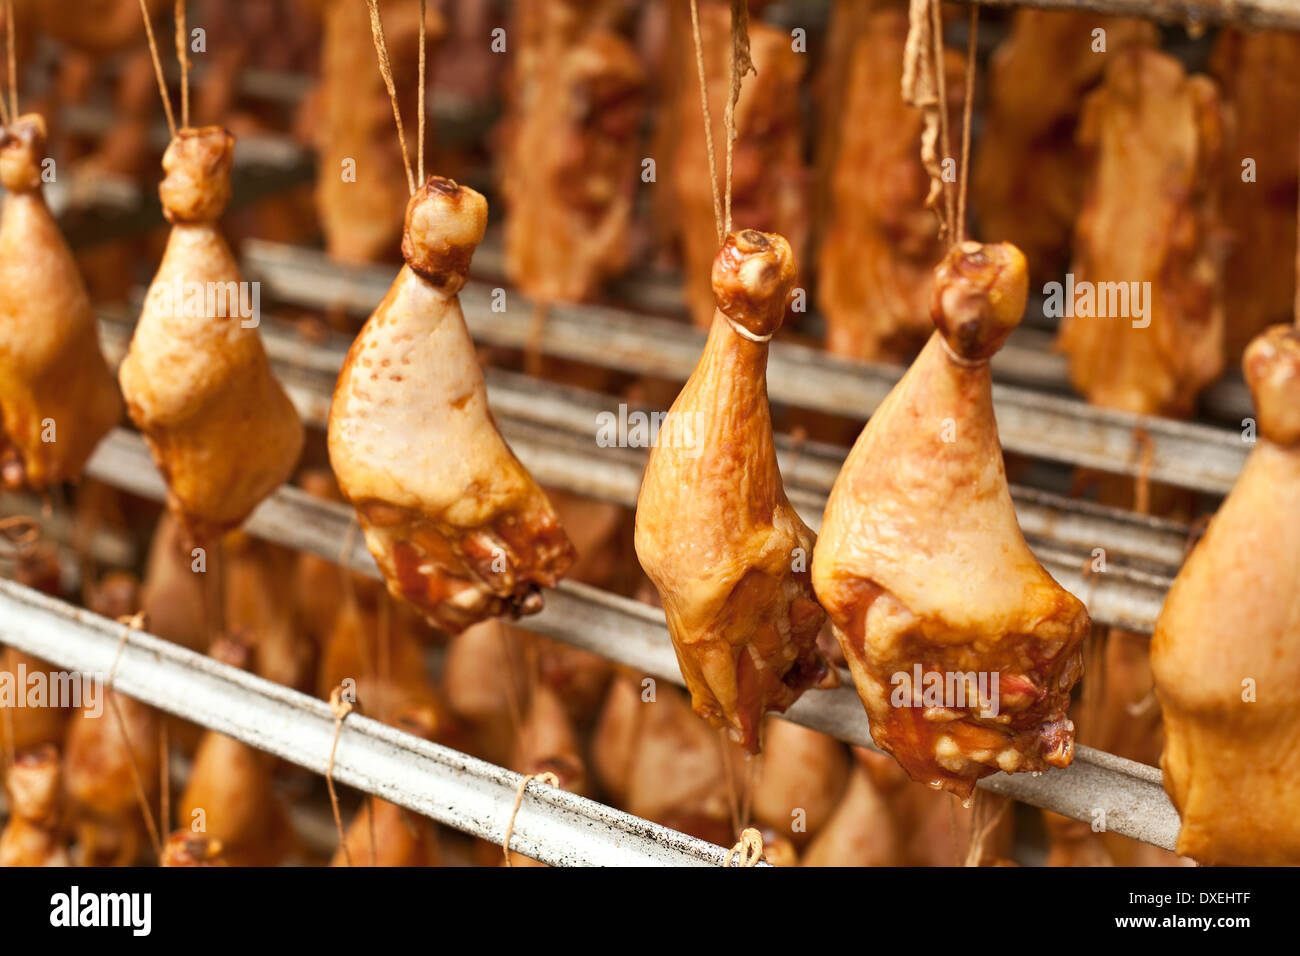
x=457 y=525
x=1149 y=337
x=1226 y=650
x=196 y=379
x=921 y=563
x=714 y=530
x=33 y=836
x=57 y=395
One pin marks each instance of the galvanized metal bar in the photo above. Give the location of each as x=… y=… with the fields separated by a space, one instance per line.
x=553 y=429
x=1266 y=14
x=451 y=787
x=1030 y=423
x=634 y=634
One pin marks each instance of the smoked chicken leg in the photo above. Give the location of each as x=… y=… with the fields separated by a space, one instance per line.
x=1259 y=71
x=457 y=525
x=33 y=835
x=1148 y=232
x=1027 y=186
x=714 y=530
x=570 y=171
x=196 y=378
x=922 y=564
x=877 y=261
x=57 y=395
x=1226 y=650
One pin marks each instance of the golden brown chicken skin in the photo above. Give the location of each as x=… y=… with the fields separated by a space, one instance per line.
x=33 y=835
x=457 y=525
x=571 y=157
x=196 y=378
x=1226 y=650
x=57 y=395
x=921 y=563
x=715 y=532
x=1149 y=224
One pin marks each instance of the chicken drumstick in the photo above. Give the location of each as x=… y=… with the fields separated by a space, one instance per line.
x=457 y=525
x=922 y=563
x=714 y=530
x=57 y=395
x=1226 y=650
x=196 y=378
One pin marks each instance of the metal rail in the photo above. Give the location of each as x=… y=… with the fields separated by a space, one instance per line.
x=453 y=788
x=1272 y=14
x=552 y=427
x=634 y=634
x=1030 y=423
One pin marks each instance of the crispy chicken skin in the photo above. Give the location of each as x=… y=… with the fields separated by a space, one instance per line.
x=1150 y=216
x=457 y=525
x=33 y=834
x=57 y=395
x=571 y=158
x=921 y=560
x=198 y=385
x=714 y=530
x=1226 y=650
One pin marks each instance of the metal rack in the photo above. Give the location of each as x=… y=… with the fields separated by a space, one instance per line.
x=634 y=634
x=453 y=788
x=551 y=427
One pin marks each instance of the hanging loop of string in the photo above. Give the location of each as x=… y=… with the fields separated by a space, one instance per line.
x=544 y=777
x=972 y=44
x=386 y=70
x=134 y=622
x=341 y=709
x=157 y=69
x=921 y=87
x=182 y=57
x=11 y=56
x=741 y=65
x=748 y=850
x=708 y=118
x=419 y=146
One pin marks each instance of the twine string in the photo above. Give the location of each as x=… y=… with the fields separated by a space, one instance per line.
x=708 y=118
x=420 y=95
x=748 y=850
x=967 y=109
x=182 y=57
x=545 y=777
x=341 y=708
x=741 y=65
x=11 y=55
x=386 y=70
x=157 y=69
x=130 y=623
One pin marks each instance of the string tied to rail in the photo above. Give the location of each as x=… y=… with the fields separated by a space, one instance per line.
x=132 y=622
x=748 y=850
x=341 y=708
x=544 y=776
